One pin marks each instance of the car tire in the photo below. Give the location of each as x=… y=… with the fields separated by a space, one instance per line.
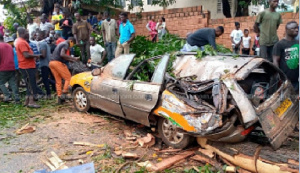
x=170 y=136
x=81 y=100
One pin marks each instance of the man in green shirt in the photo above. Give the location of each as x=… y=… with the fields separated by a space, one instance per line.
x=267 y=23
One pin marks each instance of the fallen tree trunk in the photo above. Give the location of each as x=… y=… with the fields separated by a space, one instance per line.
x=255 y=158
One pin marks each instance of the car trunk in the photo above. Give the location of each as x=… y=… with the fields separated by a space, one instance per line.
x=274 y=100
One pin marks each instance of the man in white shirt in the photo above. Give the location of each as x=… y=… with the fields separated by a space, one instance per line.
x=45 y=26
x=31 y=26
x=246 y=43
x=96 y=50
x=236 y=38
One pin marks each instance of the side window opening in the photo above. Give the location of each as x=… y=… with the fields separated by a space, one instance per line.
x=262 y=83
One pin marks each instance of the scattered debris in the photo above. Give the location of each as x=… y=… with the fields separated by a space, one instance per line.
x=170 y=161
x=169 y=150
x=55 y=163
x=230 y=169
x=147 y=164
x=25 y=129
x=205 y=152
x=147 y=141
x=119 y=152
x=26 y=151
x=130 y=155
x=89 y=144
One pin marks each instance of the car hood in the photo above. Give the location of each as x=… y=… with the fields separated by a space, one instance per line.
x=209 y=67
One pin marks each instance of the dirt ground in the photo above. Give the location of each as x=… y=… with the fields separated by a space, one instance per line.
x=58 y=131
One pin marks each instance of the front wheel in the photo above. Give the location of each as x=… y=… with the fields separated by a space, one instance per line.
x=81 y=100
x=171 y=136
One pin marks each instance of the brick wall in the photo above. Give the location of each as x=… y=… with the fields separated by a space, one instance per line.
x=179 y=21
x=247 y=23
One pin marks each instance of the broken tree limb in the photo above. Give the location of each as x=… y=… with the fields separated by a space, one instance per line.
x=171 y=161
x=243 y=155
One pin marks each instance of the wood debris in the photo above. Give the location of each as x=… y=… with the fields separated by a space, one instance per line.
x=89 y=144
x=25 y=129
x=169 y=150
x=147 y=141
x=54 y=162
x=130 y=155
x=170 y=161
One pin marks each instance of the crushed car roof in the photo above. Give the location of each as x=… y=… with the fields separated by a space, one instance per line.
x=209 y=67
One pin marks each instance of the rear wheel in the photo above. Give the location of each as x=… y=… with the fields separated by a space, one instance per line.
x=81 y=100
x=171 y=136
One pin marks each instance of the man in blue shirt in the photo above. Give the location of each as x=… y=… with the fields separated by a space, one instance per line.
x=127 y=34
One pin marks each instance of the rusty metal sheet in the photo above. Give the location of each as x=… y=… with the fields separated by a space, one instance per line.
x=207 y=68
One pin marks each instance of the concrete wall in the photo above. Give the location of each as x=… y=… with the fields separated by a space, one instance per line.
x=210 y=5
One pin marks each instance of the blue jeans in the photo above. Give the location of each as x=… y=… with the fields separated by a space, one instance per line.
x=110 y=49
x=10 y=77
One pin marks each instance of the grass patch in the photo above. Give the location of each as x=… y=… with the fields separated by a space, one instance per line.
x=11 y=113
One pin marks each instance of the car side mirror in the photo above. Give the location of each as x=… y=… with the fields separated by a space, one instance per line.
x=97 y=72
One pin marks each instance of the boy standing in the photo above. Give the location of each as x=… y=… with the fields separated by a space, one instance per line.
x=236 y=38
x=246 y=43
x=96 y=50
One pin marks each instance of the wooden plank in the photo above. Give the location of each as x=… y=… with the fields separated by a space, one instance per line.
x=172 y=160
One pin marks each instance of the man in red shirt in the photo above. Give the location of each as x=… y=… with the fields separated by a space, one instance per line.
x=7 y=71
x=26 y=60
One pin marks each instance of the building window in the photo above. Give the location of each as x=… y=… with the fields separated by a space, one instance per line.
x=135 y=2
x=149 y=2
x=220 y=6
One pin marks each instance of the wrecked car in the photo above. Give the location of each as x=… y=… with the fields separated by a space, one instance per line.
x=221 y=98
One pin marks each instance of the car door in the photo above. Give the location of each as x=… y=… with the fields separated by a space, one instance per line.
x=105 y=93
x=139 y=98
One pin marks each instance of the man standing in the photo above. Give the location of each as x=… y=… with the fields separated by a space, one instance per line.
x=66 y=25
x=31 y=26
x=81 y=31
x=286 y=54
x=44 y=25
x=55 y=20
x=44 y=62
x=7 y=71
x=92 y=20
x=27 y=66
x=202 y=37
x=110 y=29
x=60 y=70
x=127 y=34
x=267 y=23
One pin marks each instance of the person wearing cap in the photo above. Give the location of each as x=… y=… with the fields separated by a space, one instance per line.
x=7 y=71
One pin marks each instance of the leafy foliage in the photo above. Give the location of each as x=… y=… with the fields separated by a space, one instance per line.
x=17 y=13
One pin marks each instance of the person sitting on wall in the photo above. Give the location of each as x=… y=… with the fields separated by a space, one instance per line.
x=201 y=38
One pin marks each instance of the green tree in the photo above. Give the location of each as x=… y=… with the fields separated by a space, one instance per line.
x=17 y=12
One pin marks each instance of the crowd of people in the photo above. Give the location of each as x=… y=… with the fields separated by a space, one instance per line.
x=49 y=48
